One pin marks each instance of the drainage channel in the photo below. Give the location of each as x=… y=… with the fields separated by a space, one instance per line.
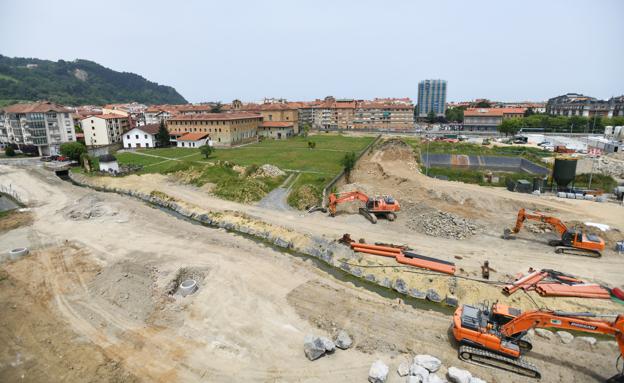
x=336 y=273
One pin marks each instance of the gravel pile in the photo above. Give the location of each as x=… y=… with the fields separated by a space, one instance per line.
x=442 y=224
x=268 y=170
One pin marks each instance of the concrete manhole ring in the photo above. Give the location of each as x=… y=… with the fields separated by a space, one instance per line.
x=19 y=252
x=188 y=287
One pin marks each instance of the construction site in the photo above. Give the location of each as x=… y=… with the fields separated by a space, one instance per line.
x=396 y=276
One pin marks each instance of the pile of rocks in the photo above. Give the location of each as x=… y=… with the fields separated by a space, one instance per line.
x=316 y=346
x=425 y=369
x=442 y=224
x=268 y=170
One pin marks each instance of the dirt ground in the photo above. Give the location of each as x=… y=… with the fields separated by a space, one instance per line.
x=93 y=302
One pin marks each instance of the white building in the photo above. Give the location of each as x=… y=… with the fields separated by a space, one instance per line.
x=43 y=124
x=105 y=129
x=108 y=163
x=141 y=137
x=194 y=140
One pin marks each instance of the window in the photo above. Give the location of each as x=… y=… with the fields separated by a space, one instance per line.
x=136 y=136
x=129 y=144
x=147 y=144
x=146 y=136
x=128 y=136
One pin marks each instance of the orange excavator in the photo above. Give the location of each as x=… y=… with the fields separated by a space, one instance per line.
x=493 y=336
x=570 y=242
x=385 y=206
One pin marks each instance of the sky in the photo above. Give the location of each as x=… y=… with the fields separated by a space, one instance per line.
x=506 y=50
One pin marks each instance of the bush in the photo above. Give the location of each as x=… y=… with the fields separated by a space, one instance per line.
x=305 y=196
x=311 y=144
x=9 y=151
x=251 y=169
x=73 y=150
x=206 y=150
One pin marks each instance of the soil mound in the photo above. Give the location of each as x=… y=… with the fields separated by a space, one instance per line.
x=396 y=150
x=268 y=170
x=89 y=207
x=437 y=223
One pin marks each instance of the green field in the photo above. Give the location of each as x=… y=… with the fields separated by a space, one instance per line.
x=316 y=166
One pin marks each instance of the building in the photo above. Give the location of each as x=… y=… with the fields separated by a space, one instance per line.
x=431 y=97
x=141 y=137
x=574 y=104
x=224 y=129
x=104 y=129
x=272 y=110
x=42 y=124
x=278 y=130
x=489 y=118
x=194 y=140
x=384 y=114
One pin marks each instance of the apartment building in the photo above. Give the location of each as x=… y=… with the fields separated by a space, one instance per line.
x=104 y=129
x=574 y=104
x=43 y=124
x=273 y=110
x=431 y=97
x=386 y=114
x=489 y=118
x=223 y=129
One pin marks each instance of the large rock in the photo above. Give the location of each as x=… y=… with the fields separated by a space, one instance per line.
x=544 y=333
x=314 y=346
x=431 y=363
x=434 y=378
x=415 y=379
x=419 y=371
x=400 y=286
x=403 y=369
x=477 y=380
x=378 y=372
x=415 y=293
x=587 y=339
x=343 y=340
x=433 y=296
x=457 y=375
x=565 y=337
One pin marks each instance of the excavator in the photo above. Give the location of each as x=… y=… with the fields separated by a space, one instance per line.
x=378 y=206
x=493 y=336
x=571 y=242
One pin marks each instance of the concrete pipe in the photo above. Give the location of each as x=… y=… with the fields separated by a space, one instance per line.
x=188 y=287
x=19 y=252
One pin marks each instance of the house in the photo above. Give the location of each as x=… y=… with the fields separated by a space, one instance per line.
x=276 y=129
x=225 y=129
x=105 y=129
x=141 y=137
x=193 y=140
x=108 y=163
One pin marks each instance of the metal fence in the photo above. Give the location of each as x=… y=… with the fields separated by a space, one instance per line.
x=12 y=193
x=340 y=175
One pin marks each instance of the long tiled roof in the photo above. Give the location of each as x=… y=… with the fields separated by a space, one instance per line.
x=484 y=112
x=193 y=136
x=215 y=116
x=37 y=107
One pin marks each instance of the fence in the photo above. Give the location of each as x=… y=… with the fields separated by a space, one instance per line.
x=9 y=191
x=339 y=176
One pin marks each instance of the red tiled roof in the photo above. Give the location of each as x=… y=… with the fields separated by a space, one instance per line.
x=37 y=107
x=109 y=116
x=193 y=137
x=276 y=124
x=476 y=112
x=215 y=116
x=150 y=128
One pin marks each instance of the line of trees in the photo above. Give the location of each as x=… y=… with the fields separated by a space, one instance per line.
x=574 y=124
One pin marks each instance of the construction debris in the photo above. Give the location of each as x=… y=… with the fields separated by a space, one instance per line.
x=431 y=363
x=378 y=372
x=441 y=224
x=457 y=375
x=551 y=283
x=343 y=340
x=268 y=170
x=316 y=346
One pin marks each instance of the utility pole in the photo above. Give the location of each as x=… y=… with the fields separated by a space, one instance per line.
x=591 y=173
x=427 y=166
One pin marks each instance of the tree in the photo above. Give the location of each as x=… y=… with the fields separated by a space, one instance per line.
x=348 y=162
x=162 y=137
x=9 y=151
x=206 y=150
x=431 y=117
x=305 y=129
x=529 y=112
x=73 y=150
x=311 y=144
x=455 y=114
x=483 y=104
x=510 y=126
x=216 y=107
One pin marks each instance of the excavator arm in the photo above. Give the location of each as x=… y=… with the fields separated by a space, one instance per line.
x=335 y=199
x=554 y=222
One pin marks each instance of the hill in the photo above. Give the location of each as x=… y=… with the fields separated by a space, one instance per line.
x=77 y=82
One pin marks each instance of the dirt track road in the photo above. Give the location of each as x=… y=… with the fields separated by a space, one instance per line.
x=102 y=283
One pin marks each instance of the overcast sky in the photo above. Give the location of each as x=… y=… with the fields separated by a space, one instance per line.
x=220 y=50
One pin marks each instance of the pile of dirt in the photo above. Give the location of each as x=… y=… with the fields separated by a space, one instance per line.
x=396 y=150
x=268 y=170
x=305 y=197
x=127 y=285
x=88 y=207
x=437 y=223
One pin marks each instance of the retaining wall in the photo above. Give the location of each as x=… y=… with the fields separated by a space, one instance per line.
x=494 y=163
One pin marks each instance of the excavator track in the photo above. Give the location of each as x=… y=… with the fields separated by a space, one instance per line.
x=368 y=215
x=576 y=251
x=489 y=359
